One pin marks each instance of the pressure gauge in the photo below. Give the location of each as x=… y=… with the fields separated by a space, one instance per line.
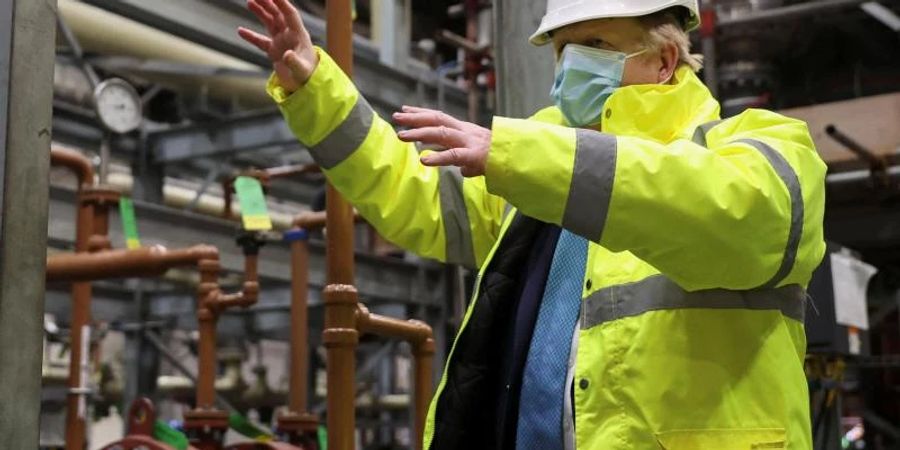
x=118 y=105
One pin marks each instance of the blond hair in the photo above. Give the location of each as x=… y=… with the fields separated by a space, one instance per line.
x=666 y=26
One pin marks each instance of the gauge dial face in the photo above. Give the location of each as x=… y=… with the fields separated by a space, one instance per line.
x=118 y=105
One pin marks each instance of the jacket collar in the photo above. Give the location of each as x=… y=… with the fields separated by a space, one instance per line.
x=662 y=112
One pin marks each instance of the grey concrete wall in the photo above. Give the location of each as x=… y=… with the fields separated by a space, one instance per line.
x=28 y=87
x=524 y=72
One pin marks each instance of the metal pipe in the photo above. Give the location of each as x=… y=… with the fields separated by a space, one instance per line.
x=79 y=164
x=858 y=149
x=789 y=12
x=151 y=261
x=105 y=157
x=315 y=220
x=340 y=296
x=206 y=354
x=708 y=45
x=91 y=234
x=299 y=324
x=206 y=425
x=412 y=331
x=297 y=423
x=423 y=352
x=103 y=32
x=421 y=337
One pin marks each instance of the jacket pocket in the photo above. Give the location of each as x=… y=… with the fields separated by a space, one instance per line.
x=723 y=439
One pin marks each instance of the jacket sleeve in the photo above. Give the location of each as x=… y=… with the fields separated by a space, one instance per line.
x=433 y=212
x=741 y=210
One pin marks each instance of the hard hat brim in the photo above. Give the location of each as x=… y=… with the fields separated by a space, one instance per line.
x=556 y=21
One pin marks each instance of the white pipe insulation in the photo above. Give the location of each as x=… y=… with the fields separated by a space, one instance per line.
x=101 y=31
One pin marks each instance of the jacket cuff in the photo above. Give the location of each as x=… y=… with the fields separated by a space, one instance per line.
x=496 y=171
x=318 y=107
x=530 y=165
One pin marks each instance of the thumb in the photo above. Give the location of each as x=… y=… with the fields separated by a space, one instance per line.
x=451 y=157
x=300 y=69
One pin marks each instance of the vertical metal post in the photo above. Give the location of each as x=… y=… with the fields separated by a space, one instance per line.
x=27 y=47
x=524 y=72
x=340 y=296
x=104 y=157
x=392 y=30
x=708 y=44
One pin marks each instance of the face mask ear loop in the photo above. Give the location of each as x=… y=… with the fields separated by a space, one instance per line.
x=637 y=53
x=645 y=50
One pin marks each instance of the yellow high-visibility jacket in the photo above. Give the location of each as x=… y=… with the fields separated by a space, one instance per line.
x=703 y=236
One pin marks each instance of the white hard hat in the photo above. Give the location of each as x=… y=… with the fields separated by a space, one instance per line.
x=565 y=12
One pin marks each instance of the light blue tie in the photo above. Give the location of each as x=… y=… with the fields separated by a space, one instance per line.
x=544 y=379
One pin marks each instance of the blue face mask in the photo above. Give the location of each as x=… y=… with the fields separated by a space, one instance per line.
x=585 y=78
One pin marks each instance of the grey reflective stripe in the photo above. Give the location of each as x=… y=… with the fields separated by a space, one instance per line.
x=456 y=218
x=346 y=138
x=592 y=184
x=792 y=183
x=506 y=210
x=660 y=293
x=701 y=131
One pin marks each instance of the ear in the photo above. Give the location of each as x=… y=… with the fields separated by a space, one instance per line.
x=668 y=62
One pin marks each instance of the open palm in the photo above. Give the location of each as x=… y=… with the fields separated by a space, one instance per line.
x=287 y=45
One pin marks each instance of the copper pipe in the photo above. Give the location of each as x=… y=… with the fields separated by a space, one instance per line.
x=79 y=164
x=297 y=424
x=340 y=335
x=314 y=220
x=211 y=302
x=423 y=352
x=91 y=230
x=206 y=316
x=297 y=402
x=420 y=336
x=412 y=331
x=154 y=261
x=341 y=338
x=206 y=424
x=143 y=262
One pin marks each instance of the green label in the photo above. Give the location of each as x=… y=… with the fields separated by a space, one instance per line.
x=254 y=213
x=164 y=433
x=243 y=426
x=323 y=438
x=129 y=223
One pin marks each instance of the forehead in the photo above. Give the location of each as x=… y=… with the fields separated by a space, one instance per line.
x=616 y=30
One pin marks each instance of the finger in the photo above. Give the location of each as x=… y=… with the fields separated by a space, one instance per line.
x=453 y=157
x=440 y=135
x=277 y=18
x=426 y=118
x=262 y=15
x=409 y=108
x=258 y=40
x=290 y=13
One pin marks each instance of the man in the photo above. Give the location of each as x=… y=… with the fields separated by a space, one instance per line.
x=642 y=262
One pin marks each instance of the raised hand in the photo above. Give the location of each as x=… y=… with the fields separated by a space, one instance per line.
x=466 y=144
x=288 y=44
